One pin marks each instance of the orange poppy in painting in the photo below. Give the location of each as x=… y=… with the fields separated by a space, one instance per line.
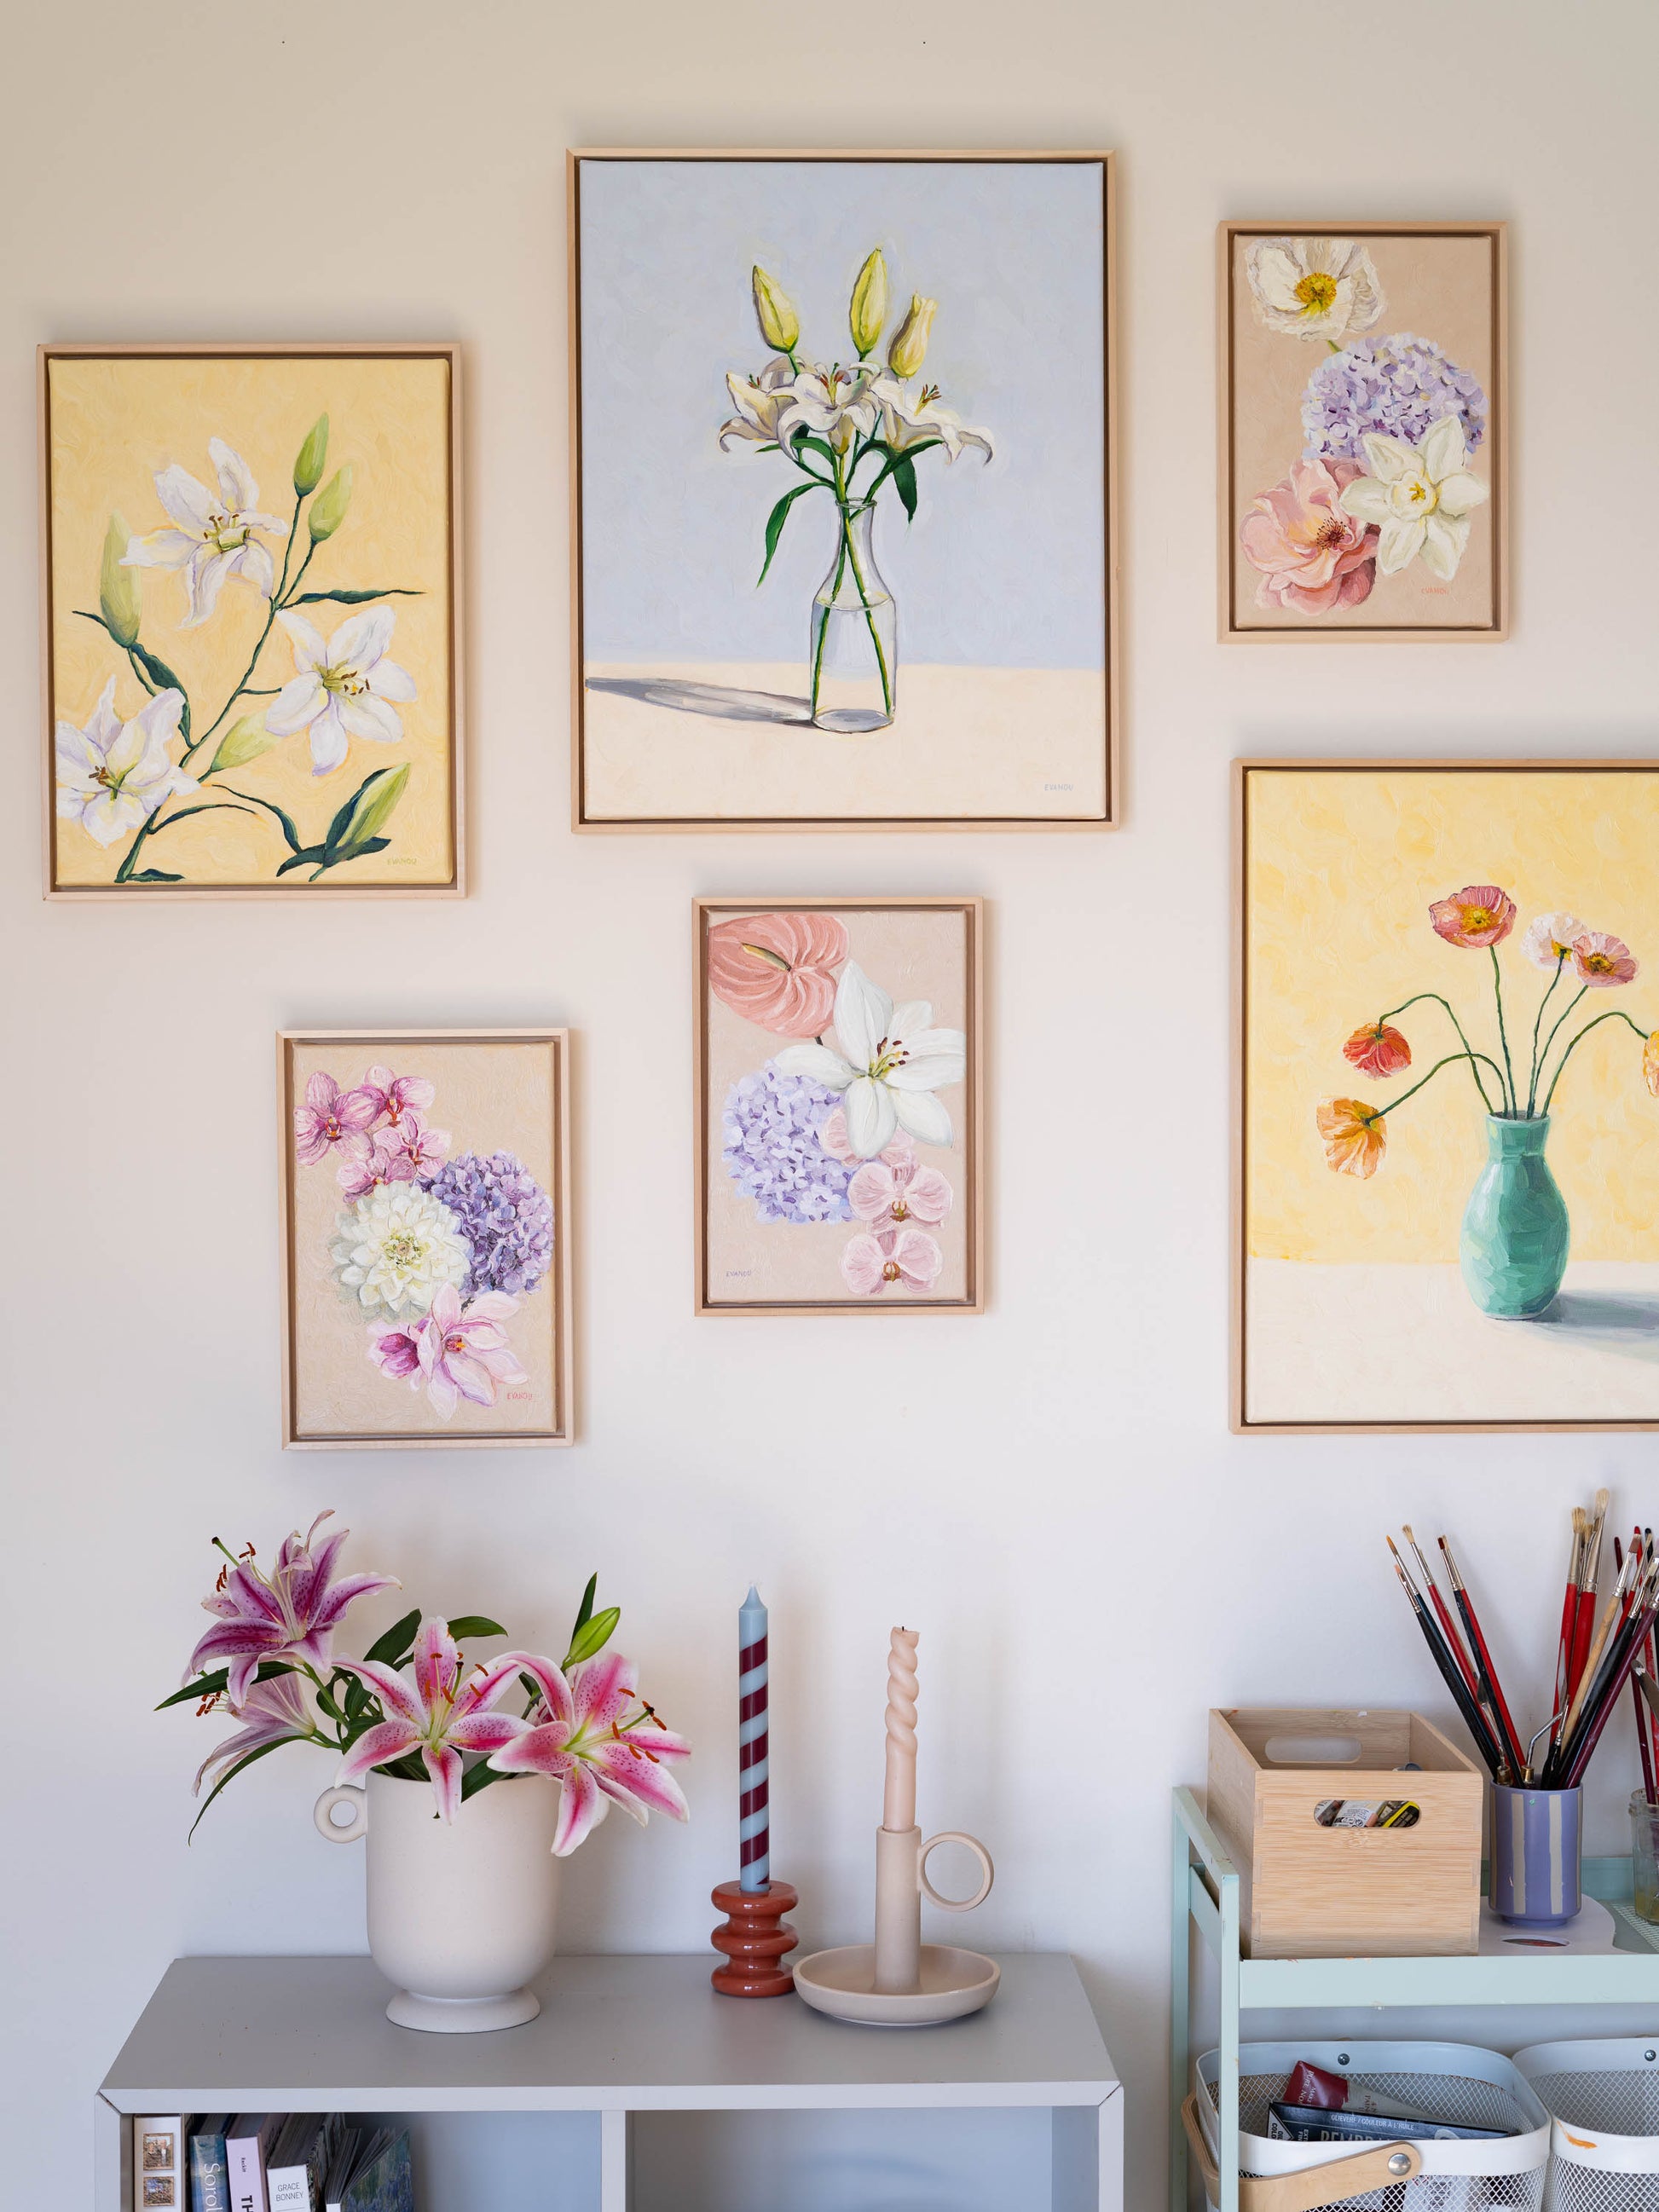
x=1477 y=915
x=1354 y=1134
x=1378 y=1050
x=1650 y=1063
x=778 y=969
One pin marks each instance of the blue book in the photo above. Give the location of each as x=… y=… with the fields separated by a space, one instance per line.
x=210 y=2177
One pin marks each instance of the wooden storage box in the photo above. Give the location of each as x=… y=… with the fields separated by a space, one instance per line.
x=1311 y=1890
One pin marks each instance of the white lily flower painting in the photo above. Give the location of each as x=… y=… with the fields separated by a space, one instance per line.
x=847 y=559
x=251 y=679
x=838 y=1123
x=1365 y=432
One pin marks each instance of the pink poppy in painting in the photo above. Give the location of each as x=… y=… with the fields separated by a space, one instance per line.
x=777 y=969
x=1378 y=1050
x=331 y=1116
x=872 y=1262
x=397 y=1096
x=896 y=1188
x=1354 y=1135
x=1602 y=963
x=1478 y=914
x=1311 y=554
x=464 y=1353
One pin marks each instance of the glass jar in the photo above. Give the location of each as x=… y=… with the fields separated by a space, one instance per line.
x=1645 y=1856
x=854 y=636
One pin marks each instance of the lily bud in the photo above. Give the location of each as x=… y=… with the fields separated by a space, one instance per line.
x=312 y=459
x=372 y=811
x=908 y=347
x=243 y=741
x=868 y=310
x=780 y=325
x=328 y=511
x=118 y=594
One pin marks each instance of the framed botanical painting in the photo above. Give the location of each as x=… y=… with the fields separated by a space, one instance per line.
x=1364 y=431
x=250 y=595
x=844 y=545
x=426 y=1237
x=839 y=1082
x=1448 y=1207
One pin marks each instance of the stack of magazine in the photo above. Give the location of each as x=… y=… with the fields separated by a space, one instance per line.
x=268 y=2162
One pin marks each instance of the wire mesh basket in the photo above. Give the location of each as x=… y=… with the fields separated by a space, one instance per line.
x=1458 y=2082
x=1602 y=2098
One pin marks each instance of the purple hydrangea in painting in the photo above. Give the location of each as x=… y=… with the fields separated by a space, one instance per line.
x=506 y=1217
x=772 y=1151
x=1400 y=386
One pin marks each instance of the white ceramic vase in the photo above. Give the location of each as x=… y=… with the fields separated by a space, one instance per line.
x=460 y=1913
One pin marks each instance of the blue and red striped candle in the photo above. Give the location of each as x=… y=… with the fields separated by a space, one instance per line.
x=754 y=1819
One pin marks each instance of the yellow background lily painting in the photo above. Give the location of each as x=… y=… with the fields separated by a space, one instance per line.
x=1449 y=1207
x=252 y=680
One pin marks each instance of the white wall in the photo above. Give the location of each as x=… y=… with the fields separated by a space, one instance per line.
x=1031 y=1489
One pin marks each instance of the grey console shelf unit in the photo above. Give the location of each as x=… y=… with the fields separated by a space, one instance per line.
x=617 y=2037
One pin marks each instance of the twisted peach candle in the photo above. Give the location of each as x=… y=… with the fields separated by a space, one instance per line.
x=899 y=1801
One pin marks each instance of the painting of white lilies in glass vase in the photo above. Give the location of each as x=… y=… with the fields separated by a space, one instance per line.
x=844 y=543
x=839 y=1085
x=1364 y=432
x=252 y=665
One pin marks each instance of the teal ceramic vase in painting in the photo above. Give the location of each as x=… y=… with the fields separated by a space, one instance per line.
x=1513 y=1248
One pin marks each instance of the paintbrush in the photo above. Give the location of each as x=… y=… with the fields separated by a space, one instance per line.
x=1626 y=1651
x=1465 y=1665
x=1569 y=1619
x=1643 y=1748
x=1489 y=1688
x=1462 y=1697
x=1614 y=1609
x=1584 y=1619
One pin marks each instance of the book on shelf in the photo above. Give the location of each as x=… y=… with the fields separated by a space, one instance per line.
x=210 y=2177
x=300 y=2157
x=372 y=2172
x=247 y=2150
x=158 y=2162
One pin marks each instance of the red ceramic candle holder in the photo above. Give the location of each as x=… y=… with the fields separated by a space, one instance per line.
x=754 y=1937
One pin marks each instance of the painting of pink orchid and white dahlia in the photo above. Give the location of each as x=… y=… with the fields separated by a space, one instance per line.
x=1364 y=446
x=851 y=561
x=426 y=1237
x=413 y=1706
x=251 y=656
x=838 y=1094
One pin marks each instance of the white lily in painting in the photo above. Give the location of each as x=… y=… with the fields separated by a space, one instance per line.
x=891 y=1063
x=834 y=403
x=212 y=535
x=920 y=418
x=113 y=775
x=342 y=689
x=759 y=400
x=1420 y=497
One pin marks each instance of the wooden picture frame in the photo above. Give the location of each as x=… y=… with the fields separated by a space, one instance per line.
x=292 y=816
x=1413 y=292
x=735 y=1052
x=1333 y=1357
x=328 y=1305
x=1072 y=768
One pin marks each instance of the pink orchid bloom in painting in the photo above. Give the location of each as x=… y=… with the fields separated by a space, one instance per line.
x=436 y=1714
x=593 y=1732
x=290 y=1614
x=1602 y=963
x=778 y=969
x=397 y=1096
x=377 y=1159
x=331 y=1116
x=872 y=1262
x=463 y=1352
x=272 y=1712
x=419 y=1151
x=896 y=1188
x=1311 y=554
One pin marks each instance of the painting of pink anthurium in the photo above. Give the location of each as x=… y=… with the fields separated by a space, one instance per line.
x=838 y=1091
x=1363 y=431
x=426 y=1237
x=413 y=1707
x=251 y=647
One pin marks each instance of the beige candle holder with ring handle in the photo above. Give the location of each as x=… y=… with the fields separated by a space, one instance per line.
x=899 y=1981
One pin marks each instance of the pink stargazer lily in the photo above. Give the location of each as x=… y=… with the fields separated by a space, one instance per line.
x=272 y=1712
x=593 y=1732
x=290 y=1614
x=437 y=1714
x=331 y=1116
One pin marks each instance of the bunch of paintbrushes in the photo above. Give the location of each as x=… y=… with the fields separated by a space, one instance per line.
x=1596 y=1658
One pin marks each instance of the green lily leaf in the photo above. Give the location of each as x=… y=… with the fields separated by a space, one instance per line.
x=480 y=1777
x=466 y=1625
x=585 y=1610
x=286 y=820
x=904 y=482
x=368 y=810
x=209 y=1686
x=231 y=1773
x=301 y=855
x=775 y=523
x=356 y=599
x=398 y=1637
x=153 y=876
x=594 y=1637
